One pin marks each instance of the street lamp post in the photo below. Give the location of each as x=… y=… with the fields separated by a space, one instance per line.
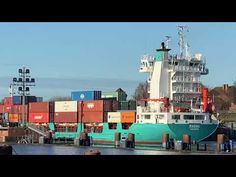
x=23 y=83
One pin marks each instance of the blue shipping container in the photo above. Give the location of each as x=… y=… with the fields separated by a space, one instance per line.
x=17 y=100
x=85 y=95
x=39 y=99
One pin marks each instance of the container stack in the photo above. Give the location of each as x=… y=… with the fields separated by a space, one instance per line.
x=65 y=112
x=85 y=95
x=94 y=111
x=41 y=112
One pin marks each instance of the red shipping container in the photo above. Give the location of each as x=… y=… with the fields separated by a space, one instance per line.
x=21 y=109
x=96 y=116
x=38 y=117
x=115 y=105
x=96 y=105
x=1 y=108
x=14 y=109
x=7 y=108
x=8 y=101
x=67 y=117
x=41 y=107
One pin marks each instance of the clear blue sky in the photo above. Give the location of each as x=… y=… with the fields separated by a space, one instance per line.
x=64 y=57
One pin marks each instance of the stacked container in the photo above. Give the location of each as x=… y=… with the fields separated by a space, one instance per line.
x=128 y=117
x=114 y=117
x=86 y=95
x=21 y=107
x=94 y=111
x=124 y=105
x=41 y=112
x=65 y=112
x=14 y=114
x=1 y=108
x=17 y=100
x=8 y=102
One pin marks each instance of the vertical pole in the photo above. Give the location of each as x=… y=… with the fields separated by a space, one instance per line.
x=23 y=96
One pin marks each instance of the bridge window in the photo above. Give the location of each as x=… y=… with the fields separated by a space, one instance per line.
x=176 y=117
x=188 y=117
x=199 y=117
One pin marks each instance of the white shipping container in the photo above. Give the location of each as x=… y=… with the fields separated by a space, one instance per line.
x=65 y=106
x=114 y=117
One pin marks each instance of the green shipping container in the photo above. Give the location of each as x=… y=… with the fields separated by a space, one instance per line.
x=110 y=95
x=124 y=105
x=132 y=105
x=119 y=94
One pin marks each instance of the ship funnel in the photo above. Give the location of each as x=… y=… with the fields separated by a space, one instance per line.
x=205 y=98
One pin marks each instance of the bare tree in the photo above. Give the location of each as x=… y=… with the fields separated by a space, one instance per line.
x=141 y=92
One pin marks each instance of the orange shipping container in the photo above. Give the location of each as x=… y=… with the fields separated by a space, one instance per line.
x=128 y=117
x=13 y=117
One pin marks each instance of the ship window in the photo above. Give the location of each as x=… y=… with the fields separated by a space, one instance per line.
x=112 y=125
x=189 y=117
x=147 y=117
x=199 y=117
x=126 y=125
x=176 y=117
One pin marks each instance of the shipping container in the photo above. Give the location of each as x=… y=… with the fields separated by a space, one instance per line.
x=41 y=107
x=13 y=118
x=65 y=106
x=17 y=100
x=14 y=109
x=128 y=117
x=67 y=117
x=25 y=117
x=39 y=99
x=97 y=105
x=110 y=95
x=7 y=108
x=38 y=117
x=21 y=109
x=85 y=95
x=95 y=116
x=1 y=108
x=132 y=105
x=8 y=101
x=114 y=117
x=124 y=105
x=115 y=105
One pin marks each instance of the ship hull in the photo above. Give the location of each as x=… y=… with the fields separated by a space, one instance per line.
x=145 y=133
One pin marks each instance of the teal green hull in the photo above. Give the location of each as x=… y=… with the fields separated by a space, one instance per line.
x=145 y=133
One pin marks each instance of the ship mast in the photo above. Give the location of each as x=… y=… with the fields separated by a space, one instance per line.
x=183 y=45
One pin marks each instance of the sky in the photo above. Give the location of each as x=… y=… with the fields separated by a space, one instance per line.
x=65 y=57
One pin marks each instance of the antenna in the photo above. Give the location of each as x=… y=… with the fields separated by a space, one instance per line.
x=182 y=43
x=167 y=41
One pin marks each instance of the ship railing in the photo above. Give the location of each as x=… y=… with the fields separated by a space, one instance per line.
x=38 y=129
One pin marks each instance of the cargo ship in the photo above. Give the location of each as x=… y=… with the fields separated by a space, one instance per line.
x=177 y=102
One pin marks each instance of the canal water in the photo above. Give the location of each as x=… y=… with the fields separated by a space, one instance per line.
x=55 y=149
